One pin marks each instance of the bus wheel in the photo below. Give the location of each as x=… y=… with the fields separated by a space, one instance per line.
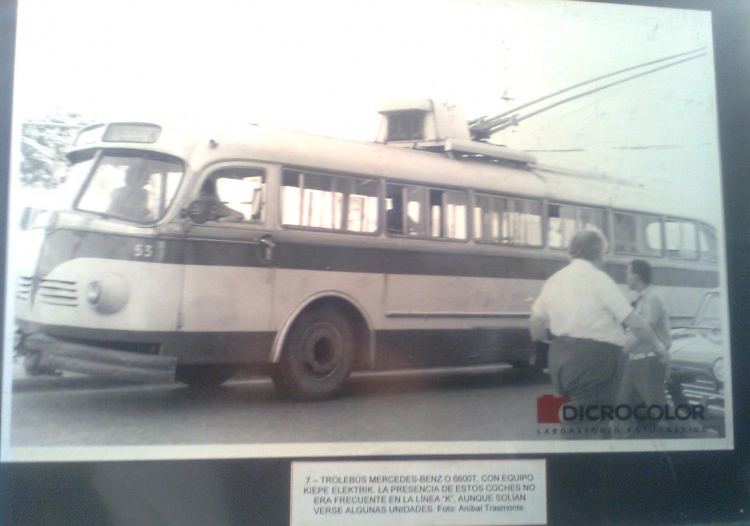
x=317 y=357
x=203 y=376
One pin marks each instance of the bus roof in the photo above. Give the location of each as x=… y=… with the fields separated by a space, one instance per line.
x=264 y=144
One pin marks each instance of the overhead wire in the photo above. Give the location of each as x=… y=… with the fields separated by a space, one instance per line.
x=485 y=126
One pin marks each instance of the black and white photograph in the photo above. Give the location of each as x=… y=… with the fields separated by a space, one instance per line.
x=322 y=229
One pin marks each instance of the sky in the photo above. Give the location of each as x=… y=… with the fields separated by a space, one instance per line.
x=327 y=67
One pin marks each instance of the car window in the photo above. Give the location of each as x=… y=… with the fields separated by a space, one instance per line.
x=709 y=313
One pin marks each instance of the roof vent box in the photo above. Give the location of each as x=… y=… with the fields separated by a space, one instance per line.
x=418 y=123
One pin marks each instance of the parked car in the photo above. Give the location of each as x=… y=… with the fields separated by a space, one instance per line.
x=697 y=365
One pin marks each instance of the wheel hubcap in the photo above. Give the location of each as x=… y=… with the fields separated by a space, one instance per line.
x=322 y=350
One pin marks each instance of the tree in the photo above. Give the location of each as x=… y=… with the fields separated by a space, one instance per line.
x=43 y=145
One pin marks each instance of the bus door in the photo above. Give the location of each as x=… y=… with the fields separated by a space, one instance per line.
x=229 y=281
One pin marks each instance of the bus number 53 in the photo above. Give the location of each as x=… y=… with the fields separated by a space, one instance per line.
x=143 y=251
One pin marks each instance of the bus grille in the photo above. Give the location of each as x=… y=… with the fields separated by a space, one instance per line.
x=57 y=292
x=23 y=290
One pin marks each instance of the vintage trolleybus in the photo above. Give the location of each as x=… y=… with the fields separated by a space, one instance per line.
x=193 y=256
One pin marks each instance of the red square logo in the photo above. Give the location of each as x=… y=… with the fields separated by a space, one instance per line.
x=548 y=408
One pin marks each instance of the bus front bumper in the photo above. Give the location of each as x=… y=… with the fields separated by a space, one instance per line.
x=101 y=362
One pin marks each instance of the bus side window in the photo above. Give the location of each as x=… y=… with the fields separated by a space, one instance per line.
x=555 y=233
x=565 y=220
x=682 y=241
x=456 y=206
x=638 y=234
x=320 y=203
x=394 y=209
x=507 y=221
x=447 y=214
x=405 y=214
x=415 y=211
x=595 y=220
x=236 y=191
x=240 y=191
x=651 y=243
x=522 y=222
x=361 y=204
x=290 y=198
x=436 y=213
x=308 y=199
x=335 y=202
x=562 y=225
x=487 y=212
x=410 y=213
x=626 y=240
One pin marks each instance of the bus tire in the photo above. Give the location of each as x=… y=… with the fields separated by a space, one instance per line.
x=203 y=376
x=317 y=356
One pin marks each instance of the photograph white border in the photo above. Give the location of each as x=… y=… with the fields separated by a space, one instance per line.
x=313 y=121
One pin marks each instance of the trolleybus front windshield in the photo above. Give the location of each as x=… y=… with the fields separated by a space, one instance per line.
x=131 y=187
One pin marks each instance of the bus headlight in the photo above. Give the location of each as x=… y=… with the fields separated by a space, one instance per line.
x=94 y=293
x=109 y=294
x=719 y=370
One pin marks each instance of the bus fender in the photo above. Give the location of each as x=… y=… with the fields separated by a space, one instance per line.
x=281 y=335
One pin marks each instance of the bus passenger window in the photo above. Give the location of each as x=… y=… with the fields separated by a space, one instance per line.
x=334 y=202
x=682 y=242
x=406 y=210
x=555 y=233
x=320 y=203
x=427 y=212
x=361 y=203
x=487 y=215
x=290 y=198
x=436 y=209
x=522 y=222
x=653 y=244
x=626 y=240
x=395 y=209
x=447 y=214
x=570 y=223
x=638 y=234
x=565 y=220
x=595 y=220
x=415 y=205
x=308 y=199
x=454 y=218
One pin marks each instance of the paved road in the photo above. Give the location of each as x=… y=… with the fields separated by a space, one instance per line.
x=489 y=403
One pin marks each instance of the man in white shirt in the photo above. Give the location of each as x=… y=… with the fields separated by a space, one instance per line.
x=585 y=311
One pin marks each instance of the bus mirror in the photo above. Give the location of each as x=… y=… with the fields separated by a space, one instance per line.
x=257 y=202
x=199 y=211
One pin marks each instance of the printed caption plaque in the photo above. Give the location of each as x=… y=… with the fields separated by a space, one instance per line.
x=440 y=493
